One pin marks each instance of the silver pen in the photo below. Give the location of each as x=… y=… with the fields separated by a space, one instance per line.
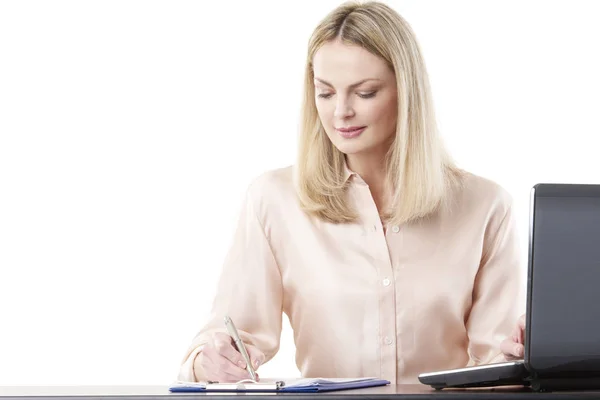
x=240 y=345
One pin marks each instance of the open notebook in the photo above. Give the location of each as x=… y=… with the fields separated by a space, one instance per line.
x=280 y=385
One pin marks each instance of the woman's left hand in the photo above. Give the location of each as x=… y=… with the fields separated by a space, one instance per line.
x=513 y=346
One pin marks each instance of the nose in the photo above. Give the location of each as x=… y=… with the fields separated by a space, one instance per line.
x=343 y=108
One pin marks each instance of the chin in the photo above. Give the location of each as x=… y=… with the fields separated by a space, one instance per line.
x=352 y=147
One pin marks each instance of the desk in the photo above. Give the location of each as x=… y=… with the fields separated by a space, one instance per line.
x=403 y=392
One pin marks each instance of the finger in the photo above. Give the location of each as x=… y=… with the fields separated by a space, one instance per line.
x=257 y=357
x=232 y=371
x=224 y=346
x=505 y=347
x=518 y=350
x=521 y=323
x=521 y=336
x=222 y=369
x=212 y=371
x=516 y=334
x=512 y=349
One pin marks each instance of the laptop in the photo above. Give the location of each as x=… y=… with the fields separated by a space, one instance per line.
x=562 y=334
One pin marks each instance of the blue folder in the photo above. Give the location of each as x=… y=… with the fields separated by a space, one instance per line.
x=282 y=385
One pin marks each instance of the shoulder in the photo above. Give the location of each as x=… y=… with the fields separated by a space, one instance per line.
x=483 y=189
x=481 y=195
x=271 y=188
x=273 y=179
x=271 y=183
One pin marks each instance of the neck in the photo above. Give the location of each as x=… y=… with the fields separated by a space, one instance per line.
x=371 y=169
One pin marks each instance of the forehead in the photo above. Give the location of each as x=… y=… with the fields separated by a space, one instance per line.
x=342 y=64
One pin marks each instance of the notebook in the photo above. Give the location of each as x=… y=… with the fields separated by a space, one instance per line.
x=281 y=385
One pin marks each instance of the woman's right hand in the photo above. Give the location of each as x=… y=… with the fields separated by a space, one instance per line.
x=220 y=361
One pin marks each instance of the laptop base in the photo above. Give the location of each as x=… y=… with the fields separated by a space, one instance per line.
x=558 y=384
x=498 y=374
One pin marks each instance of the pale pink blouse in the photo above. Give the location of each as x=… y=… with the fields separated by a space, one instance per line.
x=438 y=294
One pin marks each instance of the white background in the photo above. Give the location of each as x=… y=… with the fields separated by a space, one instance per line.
x=130 y=129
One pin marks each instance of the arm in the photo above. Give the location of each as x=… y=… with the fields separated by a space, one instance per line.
x=249 y=291
x=497 y=290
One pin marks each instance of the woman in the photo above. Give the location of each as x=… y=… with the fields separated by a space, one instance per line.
x=388 y=260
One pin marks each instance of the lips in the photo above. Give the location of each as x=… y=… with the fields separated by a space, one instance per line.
x=351 y=132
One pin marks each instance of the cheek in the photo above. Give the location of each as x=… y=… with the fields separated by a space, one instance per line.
x=382 y=117
x=382 y=112
x=325 y=111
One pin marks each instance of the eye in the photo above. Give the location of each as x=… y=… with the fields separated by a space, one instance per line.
x=324 y=95
x=367 y=95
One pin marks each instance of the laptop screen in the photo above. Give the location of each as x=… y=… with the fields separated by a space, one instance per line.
x=565 y=281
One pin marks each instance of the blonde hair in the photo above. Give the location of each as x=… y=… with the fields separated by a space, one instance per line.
x=418 y=169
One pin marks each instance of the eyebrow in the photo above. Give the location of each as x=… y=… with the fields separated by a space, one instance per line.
x=351 y=86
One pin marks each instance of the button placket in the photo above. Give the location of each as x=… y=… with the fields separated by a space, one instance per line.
x=377 y=237
x=390 y=282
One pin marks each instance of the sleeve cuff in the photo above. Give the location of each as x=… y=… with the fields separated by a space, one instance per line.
x=186 y=371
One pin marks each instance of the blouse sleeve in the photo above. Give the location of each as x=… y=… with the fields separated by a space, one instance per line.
x=249 y=291
x=495 y=308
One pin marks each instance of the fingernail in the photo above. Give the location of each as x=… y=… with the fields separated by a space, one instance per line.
x=256 y=363
x=241 y=364
x=518 y=351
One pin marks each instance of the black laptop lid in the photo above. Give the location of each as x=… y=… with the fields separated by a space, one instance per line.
x=563 y=334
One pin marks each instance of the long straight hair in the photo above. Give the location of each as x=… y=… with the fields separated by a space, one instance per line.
x=419 y=171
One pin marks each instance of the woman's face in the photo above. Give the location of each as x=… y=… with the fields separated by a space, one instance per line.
x=356 y=98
